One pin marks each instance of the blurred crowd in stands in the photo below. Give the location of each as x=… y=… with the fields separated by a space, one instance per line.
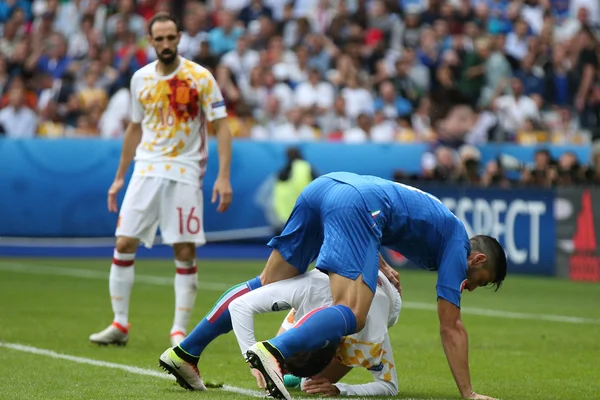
x=454 y=73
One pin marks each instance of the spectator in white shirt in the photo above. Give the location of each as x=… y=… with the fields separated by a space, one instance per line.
x=268 y=119
x=516 y=41
x=271 y=87
x=357 y=98
x=115 y=118
x=361 y=133
x=513 y=110
x=335 y=121
x=241 y=61
x=592 y=6
x=192 y=36
x=135 y=22
x=295 y=129
x=383 y=130
x=315 y=95
x=17 y=120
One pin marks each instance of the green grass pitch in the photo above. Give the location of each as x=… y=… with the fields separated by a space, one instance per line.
x=537 y=338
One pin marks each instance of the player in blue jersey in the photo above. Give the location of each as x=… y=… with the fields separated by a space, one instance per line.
x=341 y=220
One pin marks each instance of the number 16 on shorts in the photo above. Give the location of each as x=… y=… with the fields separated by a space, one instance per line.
x=189 y=223
x=153 y=202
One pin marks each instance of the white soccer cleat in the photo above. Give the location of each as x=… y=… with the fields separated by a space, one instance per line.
x=187 y=375
x=261 y=358
x=115 y=334
x=177 y=337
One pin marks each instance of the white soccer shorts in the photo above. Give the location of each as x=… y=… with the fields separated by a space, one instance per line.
x=174 y=207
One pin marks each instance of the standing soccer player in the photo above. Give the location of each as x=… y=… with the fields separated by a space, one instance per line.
x=172 y=99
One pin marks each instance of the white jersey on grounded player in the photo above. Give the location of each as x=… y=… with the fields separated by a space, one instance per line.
x=173 y=111
x=370 y=348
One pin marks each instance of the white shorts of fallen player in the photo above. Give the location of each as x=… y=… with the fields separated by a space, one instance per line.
x=174 y=207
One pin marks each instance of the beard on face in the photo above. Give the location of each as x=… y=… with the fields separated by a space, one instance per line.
x=167 y=57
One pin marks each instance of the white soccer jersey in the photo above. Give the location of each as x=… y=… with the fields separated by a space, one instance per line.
x=173 y=111
x=370 y=348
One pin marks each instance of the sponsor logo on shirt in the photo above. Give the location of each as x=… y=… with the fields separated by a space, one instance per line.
x=281 y=306
x=218 y=104
x=377 y=367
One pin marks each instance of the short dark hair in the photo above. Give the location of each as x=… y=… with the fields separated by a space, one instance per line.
x=496 y=257
x=162 y=17
x=310 y=363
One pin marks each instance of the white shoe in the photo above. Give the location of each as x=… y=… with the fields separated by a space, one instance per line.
x=187 y=374
x=177 y=337
x=115 y=334
x=261 y=358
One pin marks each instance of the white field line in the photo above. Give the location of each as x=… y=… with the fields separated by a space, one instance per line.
x=127 y=368
x=220 y=286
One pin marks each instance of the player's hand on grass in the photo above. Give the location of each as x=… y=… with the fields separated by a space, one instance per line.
x=112 y=194
x=222 y=189
x=320 y=386
x=260 y=379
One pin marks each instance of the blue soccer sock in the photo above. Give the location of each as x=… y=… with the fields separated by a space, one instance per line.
x=315 y=330
x=217 y=322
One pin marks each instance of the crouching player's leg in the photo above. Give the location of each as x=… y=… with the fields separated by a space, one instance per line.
x=293 y=251
x=350 y=254
x=290 y=380
x=182 y=361
x=308 y=365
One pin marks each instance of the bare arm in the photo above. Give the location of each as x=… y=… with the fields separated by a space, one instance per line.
x=386 y=379
x=390 y=273
x=131 y=140
x=222 y=186
x=456 y=345
x=133 y=136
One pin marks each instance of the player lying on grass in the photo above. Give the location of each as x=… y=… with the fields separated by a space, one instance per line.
x=341 y=220
x=370 y=348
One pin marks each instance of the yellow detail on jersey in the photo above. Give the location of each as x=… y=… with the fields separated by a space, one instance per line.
x=167 y=167
x=352 y=353
x=187 y=130
x=182 y=170
x=150 y=167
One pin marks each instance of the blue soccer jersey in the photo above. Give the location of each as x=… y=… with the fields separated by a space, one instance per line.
x=417 y=225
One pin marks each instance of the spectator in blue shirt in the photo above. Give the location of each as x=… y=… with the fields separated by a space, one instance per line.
x=7 y=9
x=224 y=37
x=55 y=61
x=390 y=104
x=533 y=81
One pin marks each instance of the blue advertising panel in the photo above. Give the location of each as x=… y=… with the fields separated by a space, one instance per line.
x=57 y=188
x=521 y=219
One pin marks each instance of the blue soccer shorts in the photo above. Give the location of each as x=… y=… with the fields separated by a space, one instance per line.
x=331 y=224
